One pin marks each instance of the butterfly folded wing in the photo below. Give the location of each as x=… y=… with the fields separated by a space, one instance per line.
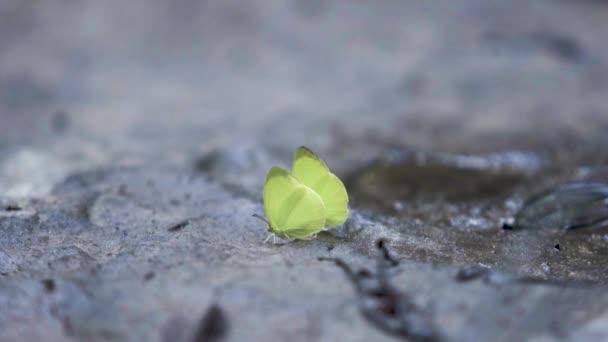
x=293 y=210
x=312 y=172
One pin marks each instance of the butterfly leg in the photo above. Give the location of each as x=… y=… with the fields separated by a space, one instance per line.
x=268 y=238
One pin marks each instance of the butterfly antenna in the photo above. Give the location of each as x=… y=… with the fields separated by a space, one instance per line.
x=261 y=218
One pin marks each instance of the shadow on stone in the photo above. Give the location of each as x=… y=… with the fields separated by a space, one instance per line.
x=213 y=327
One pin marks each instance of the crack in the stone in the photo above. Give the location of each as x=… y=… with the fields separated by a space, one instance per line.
x=385 y=253
x=385 y=307
x=178 y=226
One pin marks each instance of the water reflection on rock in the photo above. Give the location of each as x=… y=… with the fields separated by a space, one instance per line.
x=453 y=178
x=568 y=206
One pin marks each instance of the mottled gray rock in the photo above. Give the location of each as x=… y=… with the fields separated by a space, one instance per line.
x=135 y=138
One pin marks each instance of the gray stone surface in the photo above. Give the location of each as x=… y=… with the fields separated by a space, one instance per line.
x=135 y=138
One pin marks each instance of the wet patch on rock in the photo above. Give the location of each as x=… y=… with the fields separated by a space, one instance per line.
x=394 y=183
x=457 y=219
x=526 y=253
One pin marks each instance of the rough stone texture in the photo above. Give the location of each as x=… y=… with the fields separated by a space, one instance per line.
x=135 y=137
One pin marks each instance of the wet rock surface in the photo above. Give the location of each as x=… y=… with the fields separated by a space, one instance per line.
x=570 y=206
x=133 y=154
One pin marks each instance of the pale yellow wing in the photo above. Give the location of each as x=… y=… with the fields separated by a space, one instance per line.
x=312 y=172
x=293 y=210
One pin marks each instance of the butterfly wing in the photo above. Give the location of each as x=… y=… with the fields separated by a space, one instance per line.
x=312 y=172
x=294 y=210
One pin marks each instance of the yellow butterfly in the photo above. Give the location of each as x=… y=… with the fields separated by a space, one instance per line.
x=301 y=204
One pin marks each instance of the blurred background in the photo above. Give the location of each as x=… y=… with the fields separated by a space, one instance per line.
x=151 y=77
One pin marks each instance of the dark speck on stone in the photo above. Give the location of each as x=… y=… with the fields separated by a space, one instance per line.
x=149 y=275
x=507 y=226
x=214 y=325
x=49 y=285
x=471 y=273
x=12 y=207
x=60 y=121
x=558 y=247
x=178 y=226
